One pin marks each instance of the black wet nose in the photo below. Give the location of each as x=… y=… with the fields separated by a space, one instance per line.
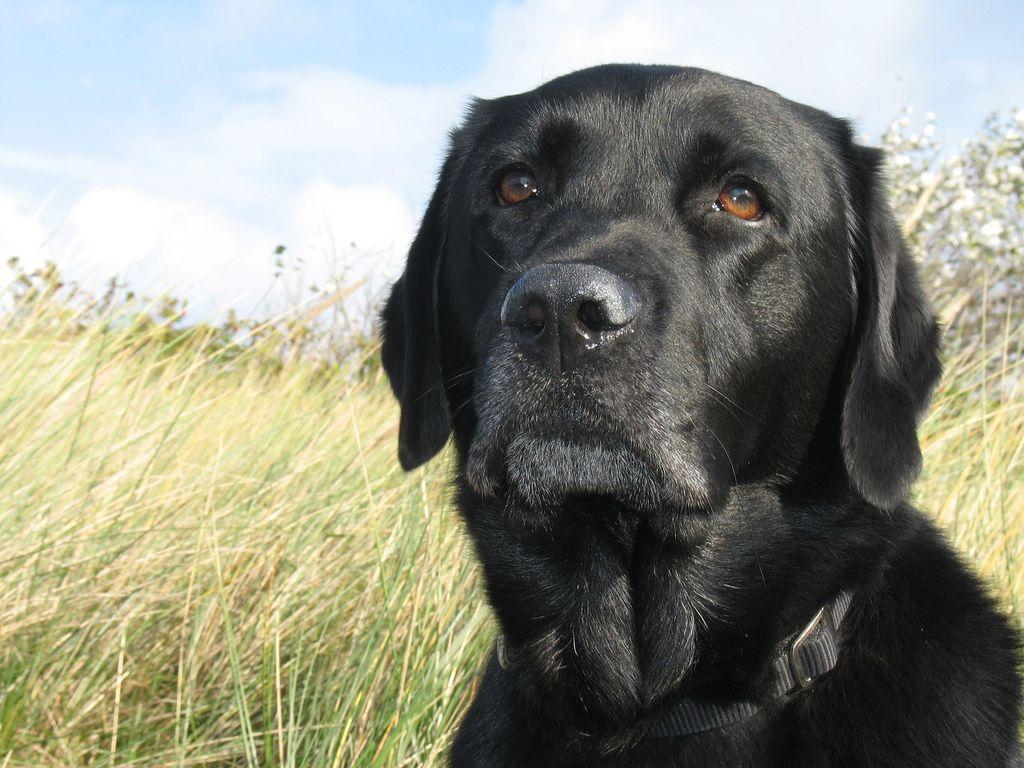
x=570 y=309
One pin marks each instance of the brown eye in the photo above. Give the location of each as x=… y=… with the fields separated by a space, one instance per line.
x=740 y=201
x=516 y=186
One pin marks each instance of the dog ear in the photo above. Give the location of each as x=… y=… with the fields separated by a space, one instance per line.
x=411 y=350
x=895 y=346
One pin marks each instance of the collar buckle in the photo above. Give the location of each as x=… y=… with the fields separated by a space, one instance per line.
x=502 y=649
x=801 y=650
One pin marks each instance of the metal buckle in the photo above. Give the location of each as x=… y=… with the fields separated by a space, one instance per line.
x=804 y=677
x=503 y=656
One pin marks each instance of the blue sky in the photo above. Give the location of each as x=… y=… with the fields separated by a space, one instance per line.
x=176 y=143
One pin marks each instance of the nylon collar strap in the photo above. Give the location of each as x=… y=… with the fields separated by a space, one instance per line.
x=805 y=656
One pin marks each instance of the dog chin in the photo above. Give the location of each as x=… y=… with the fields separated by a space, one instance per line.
x=542 y=472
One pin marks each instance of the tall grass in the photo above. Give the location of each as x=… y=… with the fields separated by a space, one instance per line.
x=207 y=562
x=213 y=564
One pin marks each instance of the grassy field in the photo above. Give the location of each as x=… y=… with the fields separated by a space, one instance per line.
x=207 y=563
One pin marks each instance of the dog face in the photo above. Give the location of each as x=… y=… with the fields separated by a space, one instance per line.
x=652 y=284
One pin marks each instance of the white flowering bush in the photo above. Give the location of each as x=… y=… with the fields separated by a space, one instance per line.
x=963 y=213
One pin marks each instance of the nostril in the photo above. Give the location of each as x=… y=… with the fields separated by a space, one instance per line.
x=592 y=315
x=532 y=320
x=608 y=312
x=524 y=312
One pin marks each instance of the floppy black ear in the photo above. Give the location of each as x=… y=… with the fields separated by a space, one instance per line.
x=411 y=350
x=895 y=354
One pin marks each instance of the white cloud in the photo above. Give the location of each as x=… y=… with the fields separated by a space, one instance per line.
x=115 y=228
x=290 y=127
x=187 y=248
x=532 y=42
x=320 y=159
x=22 y=235
x=852 y=59
x=354 y=221
x=358 y=234
x=162 y=244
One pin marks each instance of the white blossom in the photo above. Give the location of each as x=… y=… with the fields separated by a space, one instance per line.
x=964 y=211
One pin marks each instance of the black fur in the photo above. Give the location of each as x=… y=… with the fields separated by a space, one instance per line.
x=654 y=521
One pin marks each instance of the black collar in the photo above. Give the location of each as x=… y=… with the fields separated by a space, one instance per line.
x=804 y=657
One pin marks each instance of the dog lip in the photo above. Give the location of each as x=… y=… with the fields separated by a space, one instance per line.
x=543 y=470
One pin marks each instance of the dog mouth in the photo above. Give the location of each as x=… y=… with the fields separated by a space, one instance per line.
x=538 y=444
x=543 y=470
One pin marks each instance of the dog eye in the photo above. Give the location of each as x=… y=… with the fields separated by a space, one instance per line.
x=739 y=200
x=516 y=187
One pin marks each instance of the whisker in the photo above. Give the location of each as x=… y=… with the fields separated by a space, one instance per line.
x=494 y=261
x=724 y=449
x=450 y=380
x=728 y=399
x=728 y=408
x=457 y=410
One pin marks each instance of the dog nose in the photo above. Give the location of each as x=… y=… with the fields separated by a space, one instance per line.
x=573 y=308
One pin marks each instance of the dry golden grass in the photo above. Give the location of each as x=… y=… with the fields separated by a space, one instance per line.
x=210 y=564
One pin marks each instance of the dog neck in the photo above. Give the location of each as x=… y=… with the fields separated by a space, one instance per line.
x=609 y=621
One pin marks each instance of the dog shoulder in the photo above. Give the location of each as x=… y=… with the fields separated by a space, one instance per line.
x=931 y=662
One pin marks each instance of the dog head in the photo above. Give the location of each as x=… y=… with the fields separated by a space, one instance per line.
x=653 y=284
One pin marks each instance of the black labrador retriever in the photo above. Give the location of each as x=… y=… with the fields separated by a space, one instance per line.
x=674 y=328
